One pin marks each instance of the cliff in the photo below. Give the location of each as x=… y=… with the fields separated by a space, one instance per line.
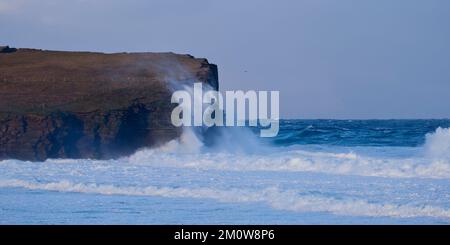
x=56 y=104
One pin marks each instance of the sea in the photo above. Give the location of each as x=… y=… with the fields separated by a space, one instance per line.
x=313 y=172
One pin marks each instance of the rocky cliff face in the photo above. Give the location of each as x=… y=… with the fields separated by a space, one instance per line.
x=90 y=105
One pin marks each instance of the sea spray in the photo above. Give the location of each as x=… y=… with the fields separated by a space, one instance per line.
x=191 y=110
x=214 y=138
x=437 y=144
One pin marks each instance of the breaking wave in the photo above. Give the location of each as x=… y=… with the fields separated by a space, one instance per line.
x=278 y=199
x=437 y=144
x=429 y=161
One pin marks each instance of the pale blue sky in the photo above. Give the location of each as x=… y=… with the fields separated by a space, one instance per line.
x=328 y=58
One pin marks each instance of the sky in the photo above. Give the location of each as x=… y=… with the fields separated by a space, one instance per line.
x=333 y=59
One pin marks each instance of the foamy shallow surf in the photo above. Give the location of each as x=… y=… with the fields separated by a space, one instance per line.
x=393 y=182
x=428 y=161
x=275 y=198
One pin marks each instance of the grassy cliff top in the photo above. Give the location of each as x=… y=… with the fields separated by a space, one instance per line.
x=39 y=81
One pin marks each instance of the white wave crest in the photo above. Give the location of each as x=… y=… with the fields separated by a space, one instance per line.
x=437 y=144
x=188 y=142
x=435 y=163
x=283 y=200
x=301 y=161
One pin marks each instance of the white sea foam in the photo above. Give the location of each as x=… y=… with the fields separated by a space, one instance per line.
x=284 y=200
x=189 y=152
x=431 y=160
x=188 y=142
x=437 y=144
x=302 y=161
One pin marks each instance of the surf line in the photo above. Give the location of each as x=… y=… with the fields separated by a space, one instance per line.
x=198 y=108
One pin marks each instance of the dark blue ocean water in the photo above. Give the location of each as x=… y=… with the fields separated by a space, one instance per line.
x=357 y=132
